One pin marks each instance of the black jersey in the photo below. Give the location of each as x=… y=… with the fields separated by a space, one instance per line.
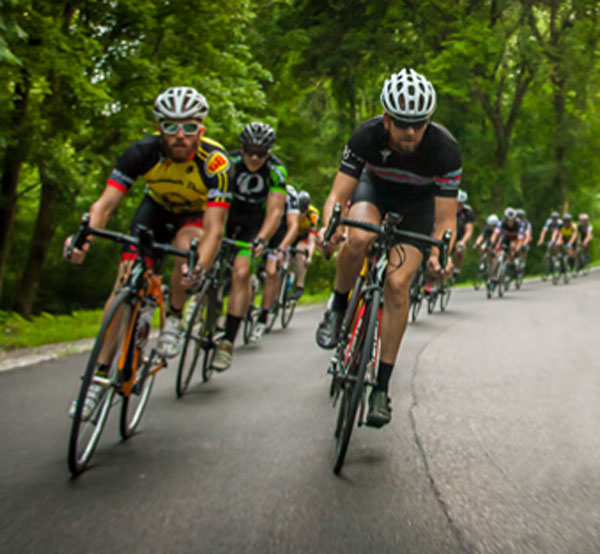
x=254 y=187
x=510 y=232
x=583 y=231
x=434 y=167
x=463 y=217
x=186 y=187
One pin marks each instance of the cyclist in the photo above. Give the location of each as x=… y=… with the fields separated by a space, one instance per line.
x=187 y=196
x=552 y=223
x=464 y=230
x=528 y=235
x=484 y=240
x=509 y=235
x=585 y=234
x=307 y=232
x=565 y=237
x=399 y=162
x=259 y=194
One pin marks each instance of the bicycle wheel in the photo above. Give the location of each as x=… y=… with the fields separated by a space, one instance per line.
x=445 y=297
x=288 y=304
x=250 y=317
x=272 y=317
x=353 y=389
x=192 y=344
x=86 y=432
x=415 y=309
x=431 y=300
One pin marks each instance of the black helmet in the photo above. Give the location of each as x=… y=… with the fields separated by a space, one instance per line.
x=258 y=134
x=303 y=200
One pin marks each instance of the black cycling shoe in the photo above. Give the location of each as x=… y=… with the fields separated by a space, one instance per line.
x=380 y=412
x=328 y=331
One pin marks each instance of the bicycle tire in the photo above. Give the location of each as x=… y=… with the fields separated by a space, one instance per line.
x=81 y=448
x=192 y=343
x=288 y=306
x=250 y=316
x=272 y=317
x=431 y=300
x=445 y=298
x=415 y=309
x=355 y=392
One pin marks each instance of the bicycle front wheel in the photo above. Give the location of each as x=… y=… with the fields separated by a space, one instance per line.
x=86 y=429
x=353 y=392
x=445 y=297
x=192 y=343
x=288 y=305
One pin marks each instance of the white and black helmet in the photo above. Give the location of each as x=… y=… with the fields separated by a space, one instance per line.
x=409 y=96
x=492 y=220
x=510 y=213
x=462 y=196
x=180 y=103
x=258 y=134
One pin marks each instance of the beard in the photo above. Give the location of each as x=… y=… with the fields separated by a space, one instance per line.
x=178 y=151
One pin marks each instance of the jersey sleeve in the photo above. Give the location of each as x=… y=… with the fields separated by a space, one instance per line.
x=291 y=201
x=134 y=163
x=219 y=175
x=450 y=174
x=277 y=177
x=353 y=157
x=470 y=215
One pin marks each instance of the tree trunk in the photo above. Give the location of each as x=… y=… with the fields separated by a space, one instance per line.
x=45 y=227
x=14 y=156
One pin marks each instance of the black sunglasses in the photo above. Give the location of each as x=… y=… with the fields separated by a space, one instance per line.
x=401 y=124
x=258 y=152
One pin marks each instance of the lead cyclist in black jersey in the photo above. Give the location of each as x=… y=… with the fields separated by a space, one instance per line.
x=187 y=197
x=399 y=162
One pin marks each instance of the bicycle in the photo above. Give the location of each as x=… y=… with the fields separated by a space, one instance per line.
x=286 y=299
x=582 y=260
x=124 y=332
x=484 y=266
x=202 y=332
x=354 y=364
x=560 y=265
x=443 y=291
x=416 y=290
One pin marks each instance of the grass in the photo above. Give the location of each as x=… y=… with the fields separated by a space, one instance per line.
x=45 y=328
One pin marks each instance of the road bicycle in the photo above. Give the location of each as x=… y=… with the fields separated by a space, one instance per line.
x=286 y=298
x=560 y=265
x=484 y=266
x=441 y=290
x=123 y=339
x=582 y=260
x=204 y=311
x=354 y=364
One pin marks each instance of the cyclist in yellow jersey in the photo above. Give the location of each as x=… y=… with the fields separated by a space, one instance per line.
x=187 y=196
x=565 y=236
x=306 y=239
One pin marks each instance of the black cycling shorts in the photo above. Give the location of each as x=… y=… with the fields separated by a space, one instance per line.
x=243 y=224
x=417 y=210
x=164 y=224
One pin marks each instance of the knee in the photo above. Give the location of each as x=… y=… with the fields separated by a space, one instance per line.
x=397 y=291
x=241 y=274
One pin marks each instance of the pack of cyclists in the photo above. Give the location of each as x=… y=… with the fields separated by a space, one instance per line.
x=401 y=162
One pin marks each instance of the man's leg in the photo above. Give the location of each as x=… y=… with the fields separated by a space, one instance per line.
x=349 y=263
x=395 y=317
x=270 y=293
x=237 y=306
x=171 y=337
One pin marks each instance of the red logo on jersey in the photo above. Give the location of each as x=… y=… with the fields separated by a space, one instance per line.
x=216 y=163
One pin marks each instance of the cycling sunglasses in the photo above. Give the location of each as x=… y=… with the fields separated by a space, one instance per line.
x=172 y=127
x=401 y=124
x=258 y=152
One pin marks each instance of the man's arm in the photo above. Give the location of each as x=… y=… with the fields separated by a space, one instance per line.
x=468 y=233
x=214 y=221
x=341 y=192
x=100 y=212
x=273 y=213
x=292 y=219
x=445 y=218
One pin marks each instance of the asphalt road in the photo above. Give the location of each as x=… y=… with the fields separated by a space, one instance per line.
x=494 y=446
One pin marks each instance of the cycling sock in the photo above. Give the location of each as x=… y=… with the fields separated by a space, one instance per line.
x=231 y=327
x=383 y=376
x=340 y=301
x=262 y=318
x=175 y=312
x=299 y=291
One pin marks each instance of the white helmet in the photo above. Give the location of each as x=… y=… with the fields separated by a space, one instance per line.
x=492 y=220
x=409 y=96
x=510 y=213
x=180 y=103
x=462 y=196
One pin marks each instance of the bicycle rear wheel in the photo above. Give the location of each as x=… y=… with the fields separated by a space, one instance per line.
x=353 y=391
x=86 y=432
x=192 y=343
x=445 y=297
